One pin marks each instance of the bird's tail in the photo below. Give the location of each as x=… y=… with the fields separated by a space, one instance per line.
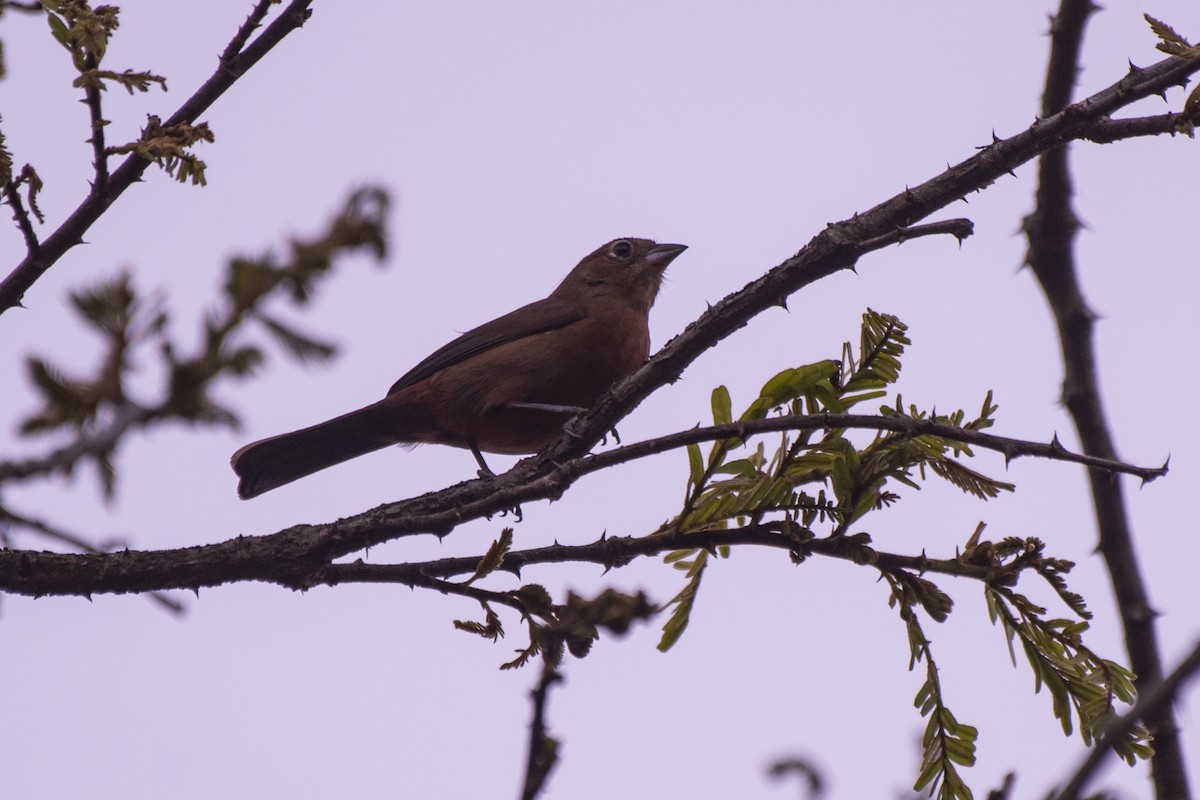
x=270 y=463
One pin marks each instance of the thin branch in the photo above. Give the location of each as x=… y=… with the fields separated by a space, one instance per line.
x=257 y=15
x=70 y=233
x=909 y=426
x=1105 y=131
x=1150 y=705
x=612 y=552
x=958 y=228
x=464 y=590
x=1051 y=229
x=91 y=94
x=12 y=195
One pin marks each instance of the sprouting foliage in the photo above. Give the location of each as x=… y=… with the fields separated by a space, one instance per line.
x=84 y=31
x=167 y=146
x=1170 y=42
x=1173 y=43
x=494 y=557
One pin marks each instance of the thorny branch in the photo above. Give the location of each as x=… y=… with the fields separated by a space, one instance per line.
x=293 y=556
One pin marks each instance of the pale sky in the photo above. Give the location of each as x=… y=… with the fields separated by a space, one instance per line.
x=515 y=139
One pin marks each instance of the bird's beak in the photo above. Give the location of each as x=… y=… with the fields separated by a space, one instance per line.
x=664 y=254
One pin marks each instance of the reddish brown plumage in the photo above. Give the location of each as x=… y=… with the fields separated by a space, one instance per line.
x=489 y=389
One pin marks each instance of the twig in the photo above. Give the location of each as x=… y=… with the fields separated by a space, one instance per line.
x=416 y=578
x=1105 y=131
x=908 y=426
x=958 y=228
x=13 y=196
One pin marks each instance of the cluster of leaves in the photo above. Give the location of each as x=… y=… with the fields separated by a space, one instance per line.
x=85 y=31
x=166 y=146
x=99 y=408
x=817 y=484
x=849 y=481
x=1077 y=678
x=1082 y=685
x=553 y=628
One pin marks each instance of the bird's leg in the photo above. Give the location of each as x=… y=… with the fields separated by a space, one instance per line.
x=484 y=470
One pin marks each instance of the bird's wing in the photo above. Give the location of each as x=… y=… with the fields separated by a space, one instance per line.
x=544 y=315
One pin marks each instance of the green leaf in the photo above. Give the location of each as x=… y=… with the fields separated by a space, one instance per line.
x=721 y=406
x=58 y=29
x=695 y=465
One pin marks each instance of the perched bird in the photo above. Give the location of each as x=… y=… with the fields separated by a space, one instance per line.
x=507 y=386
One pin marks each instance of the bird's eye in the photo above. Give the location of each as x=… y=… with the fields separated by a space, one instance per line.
x=621 y=249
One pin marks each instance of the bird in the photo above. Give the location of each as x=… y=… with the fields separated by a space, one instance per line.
x=507 y=386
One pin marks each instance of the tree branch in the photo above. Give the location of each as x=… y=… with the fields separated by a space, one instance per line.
x=293 y=556
x=101 y=196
